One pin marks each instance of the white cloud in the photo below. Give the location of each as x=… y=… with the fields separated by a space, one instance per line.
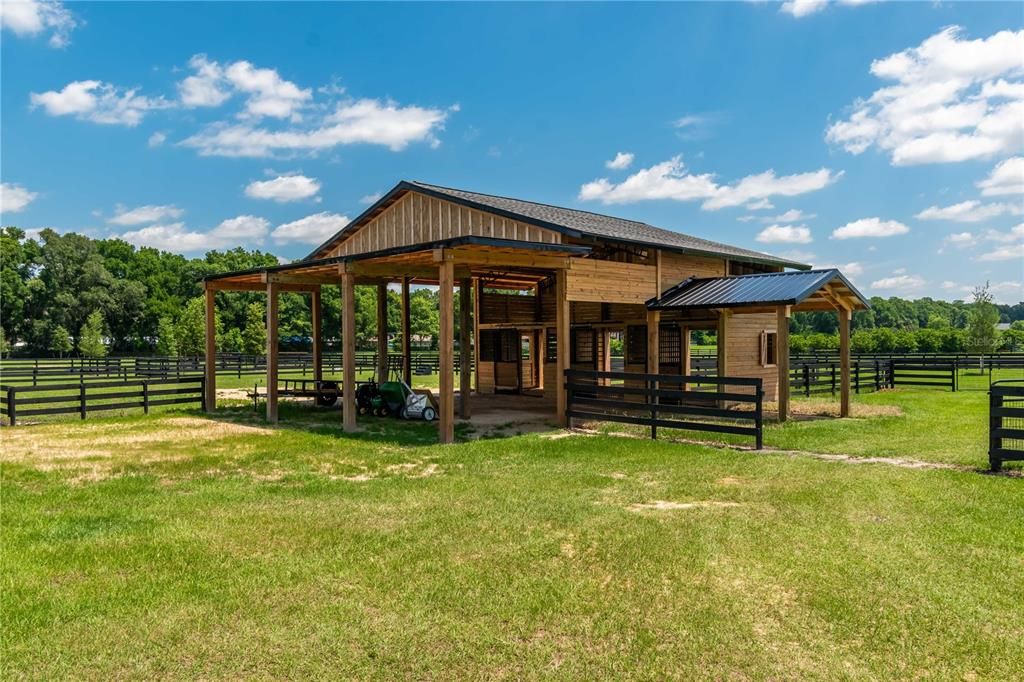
x=870 y=227
x=98 y=102
x=14 y=198
x=950 y=101
x=1013 y=235
x=969 y=212
x=157 y=139
x=960 y=240
x=804 y=8
x=622 y=160
x=366 y=121
x=670 y=180
x=899 y=283
x=313 y=229
x=759 y=205
x=851 y=269
x=32 y=17
x=1007 y=292
x=371 y=198
x=1011 y=252
x=791 y=216
x=1006 y=178
x=268 y=94
x=785 y=234
x=179 y=239
x=205 y=88
x=283 y=188
x=144 y=214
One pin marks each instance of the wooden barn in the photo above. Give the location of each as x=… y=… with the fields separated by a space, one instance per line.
x=543 y=289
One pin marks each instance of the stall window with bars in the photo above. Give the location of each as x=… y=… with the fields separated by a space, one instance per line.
x=499 y=345
x=669 y=345
x=636 y=345
x=550 y=346
x=583 y=346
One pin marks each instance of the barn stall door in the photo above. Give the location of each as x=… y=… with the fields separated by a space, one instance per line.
x=500 y=349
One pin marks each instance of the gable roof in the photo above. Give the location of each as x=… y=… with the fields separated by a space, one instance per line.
x=568 y=221
x=772 y=288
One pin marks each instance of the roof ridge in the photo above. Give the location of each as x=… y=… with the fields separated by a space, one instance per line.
x=539 y=203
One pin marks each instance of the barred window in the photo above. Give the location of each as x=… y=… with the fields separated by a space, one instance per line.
x=769 y=345
x=636 y=345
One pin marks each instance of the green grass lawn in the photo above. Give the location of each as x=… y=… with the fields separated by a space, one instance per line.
x=178 y=546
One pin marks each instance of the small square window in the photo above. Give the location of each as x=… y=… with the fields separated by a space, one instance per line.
x=769 y=346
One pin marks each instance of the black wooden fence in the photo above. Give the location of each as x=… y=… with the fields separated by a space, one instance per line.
x=666 y=401
x=300 y=363
x=1006 y=422
x=20 y=401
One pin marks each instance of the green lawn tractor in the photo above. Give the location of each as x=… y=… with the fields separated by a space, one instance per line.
x=405 y=403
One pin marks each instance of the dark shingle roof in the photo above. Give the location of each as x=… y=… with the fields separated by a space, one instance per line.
x=774 y=288
x=605 y=226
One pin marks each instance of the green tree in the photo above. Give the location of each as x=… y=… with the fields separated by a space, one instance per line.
x=254 y=337
x=232 y=341
x=166 y=337
x=90 y=338
x=191 y=328
x=5 y=345
x=982 y=336
x=60 y=341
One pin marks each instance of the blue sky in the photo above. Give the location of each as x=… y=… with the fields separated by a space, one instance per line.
x=886 y=138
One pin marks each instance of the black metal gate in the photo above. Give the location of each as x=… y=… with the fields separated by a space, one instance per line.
x=1005 y=422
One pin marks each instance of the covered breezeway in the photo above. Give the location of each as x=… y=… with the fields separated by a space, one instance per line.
x=468 y=263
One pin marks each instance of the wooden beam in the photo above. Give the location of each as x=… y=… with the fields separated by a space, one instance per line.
x=348 y=351
x=465 y=325
x=210 y=397
x=272 y=324
x=562 y=321
x=309 y=279
x=511 y=260
x=318 y=342
x=382 y=333
x=446 y=427
x=844 y=362
x=657 y=271
x=653 y=352
x=606 y=353
x=256 y=285
x=406 y=334
x=783 y=315
x=684 y=353
x=723 y=341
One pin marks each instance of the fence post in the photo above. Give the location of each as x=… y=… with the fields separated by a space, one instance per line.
x=807 y=380
x=856 y=377
x=11 y=407
x=81 y=398
x=832 y=366
x=202 y=392
x=145 y=397
x=653 y=401
x=994 y=423
x=758 y=418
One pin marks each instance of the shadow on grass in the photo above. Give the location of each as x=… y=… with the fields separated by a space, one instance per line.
x=327 y=421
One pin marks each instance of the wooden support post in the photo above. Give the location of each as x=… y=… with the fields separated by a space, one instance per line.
x=406 y=334
x=722 y=339
x=318 y=342
x=382 y=333
x=562 y=322
x=844 y=362
x=465 y=324
x=476 y=335
x=446 y=282
x=348 y=351
x=210 y=386
x=782 y=358
x=272 y=321
x=542 y=355
x=606 y=354
x=653 y=359
x=684 y=354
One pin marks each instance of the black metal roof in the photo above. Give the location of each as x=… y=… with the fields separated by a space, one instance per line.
x=773 y=288
x=576 y=223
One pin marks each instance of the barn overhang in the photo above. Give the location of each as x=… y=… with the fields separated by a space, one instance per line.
x=809 y=290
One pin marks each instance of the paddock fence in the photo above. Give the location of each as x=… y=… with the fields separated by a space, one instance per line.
x=1006 y=422
x=21 y=401
x=667 y=401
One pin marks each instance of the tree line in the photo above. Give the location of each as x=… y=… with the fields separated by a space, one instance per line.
x=68 y=293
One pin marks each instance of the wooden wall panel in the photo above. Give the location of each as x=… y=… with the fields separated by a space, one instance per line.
x=418 y=219
x=485 y=372
x=675 y=267
x=496 y=308
x=610 y=282
x=743 y=350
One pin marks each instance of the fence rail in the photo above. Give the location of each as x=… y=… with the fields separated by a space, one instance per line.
x=666 y=401
x=1006 y=422
x=19 y=401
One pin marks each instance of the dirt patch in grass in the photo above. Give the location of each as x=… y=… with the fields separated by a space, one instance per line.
x=666 y=505
x=830 y=408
